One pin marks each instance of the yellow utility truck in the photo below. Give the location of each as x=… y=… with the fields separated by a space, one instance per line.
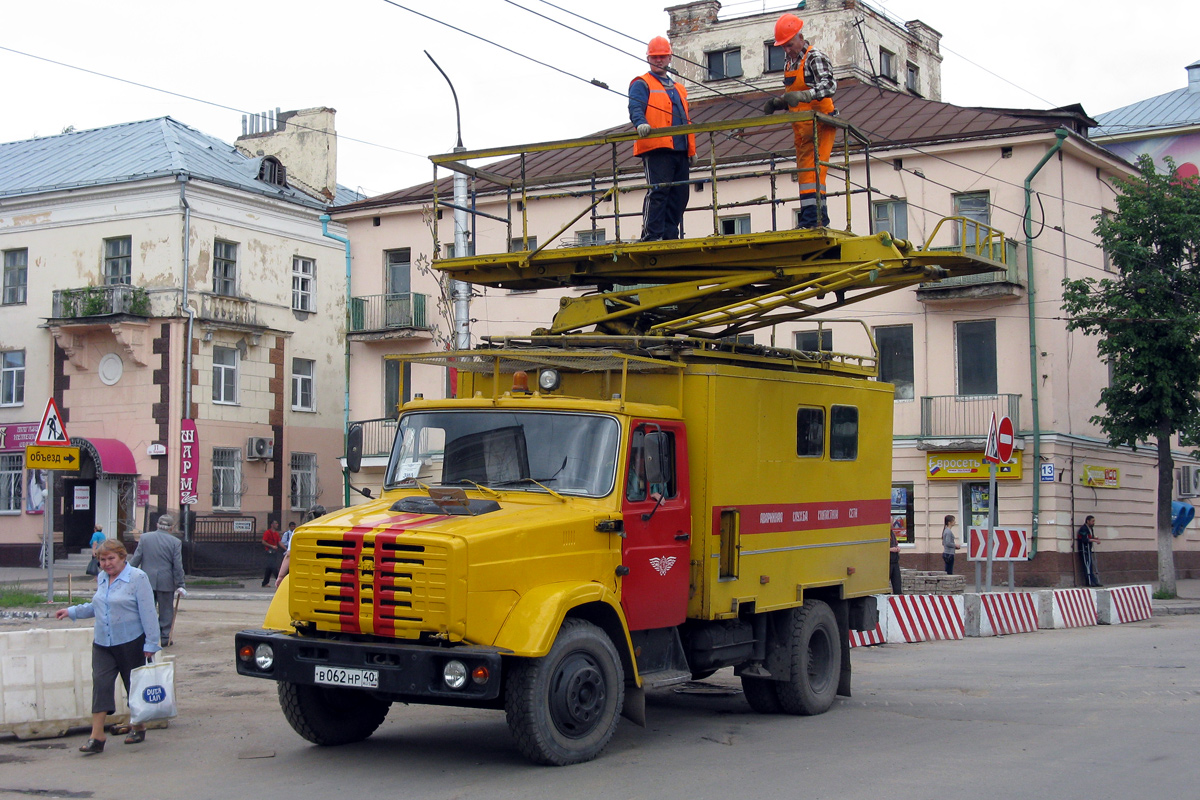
x=623 y=501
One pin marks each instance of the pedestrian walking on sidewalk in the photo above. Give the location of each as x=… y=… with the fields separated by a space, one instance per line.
x=160 y=555
x=950 y=544
x=272 y=542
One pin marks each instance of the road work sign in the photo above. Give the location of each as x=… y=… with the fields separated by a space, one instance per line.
x=61 y=458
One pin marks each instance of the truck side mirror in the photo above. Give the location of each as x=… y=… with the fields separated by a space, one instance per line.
x=354 y=440
x=658 y=457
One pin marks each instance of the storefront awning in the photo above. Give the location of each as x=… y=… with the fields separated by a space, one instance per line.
x=112 y=456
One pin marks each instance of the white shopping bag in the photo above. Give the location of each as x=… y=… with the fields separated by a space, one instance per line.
x=152 y=692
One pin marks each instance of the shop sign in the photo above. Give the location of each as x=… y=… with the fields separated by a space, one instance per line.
x=18 y=435
x=189 y=463
x=143 y=493
x=947 y=466
x=1101 y=477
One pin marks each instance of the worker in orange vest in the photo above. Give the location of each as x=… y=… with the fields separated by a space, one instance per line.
x=656 y=101
x=809 y=82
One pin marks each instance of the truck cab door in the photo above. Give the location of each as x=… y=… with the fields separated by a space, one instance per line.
x=658 y=526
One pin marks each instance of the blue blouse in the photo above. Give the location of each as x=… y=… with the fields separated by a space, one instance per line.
x=123 y=608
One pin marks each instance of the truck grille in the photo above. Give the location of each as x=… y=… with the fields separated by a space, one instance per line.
x=390 y=583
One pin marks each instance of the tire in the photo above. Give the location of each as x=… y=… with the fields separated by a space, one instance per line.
x=329 y=716
x=816 y=661
x=761 y=695
x=563 y=708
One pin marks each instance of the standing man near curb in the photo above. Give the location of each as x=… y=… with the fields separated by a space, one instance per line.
x=950 y=544
x=809 y=83
x=1086 y=539
x=160 y=555
x=656 y=101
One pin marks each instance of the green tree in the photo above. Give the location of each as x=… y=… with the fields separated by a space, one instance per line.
x=1147 y=323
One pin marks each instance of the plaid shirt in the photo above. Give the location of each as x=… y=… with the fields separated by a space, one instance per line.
x=818 y=73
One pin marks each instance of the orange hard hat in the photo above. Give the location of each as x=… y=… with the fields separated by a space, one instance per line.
x=659 y=46
x=786 y=29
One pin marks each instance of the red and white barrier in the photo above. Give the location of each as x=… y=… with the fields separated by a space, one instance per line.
x=1067 y=608
x=1124 y=604
x=868 y=638
x=1000 y=613
x=924 y=617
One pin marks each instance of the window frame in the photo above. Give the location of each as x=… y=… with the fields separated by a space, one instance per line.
x=824 y=340
x=843 y=439
x=724 y=55
x=397 y=386
x=16 y=277
x=299 y=381
x=887 y=64
x=894 y=223
x=974 y=358
x=590 y=238
x=12 y=379
x=967 y=232
x=225 y=271
x=887 y=365
x=397 y=263
x=118 y=266
x=302 y=467
x=227 y=467
x=12 y=476
x=772 y=49
x=912 y=78
x=304 y=284
x=222 y=368
x=819 y=438
x=737 y=221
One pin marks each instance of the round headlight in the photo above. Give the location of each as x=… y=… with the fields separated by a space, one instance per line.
x=264 y=657
x=549 y=380
x=455 y=674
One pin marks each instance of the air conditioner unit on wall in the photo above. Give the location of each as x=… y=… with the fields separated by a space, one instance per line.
x=260 y=448
x=1189 y=480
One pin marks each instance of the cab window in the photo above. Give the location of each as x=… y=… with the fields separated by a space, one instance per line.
x=646 y=442
x=810 y=432
x=843 y=433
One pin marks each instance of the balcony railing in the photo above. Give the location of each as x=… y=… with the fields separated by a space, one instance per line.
x=967 y=415
x=1008 y=255
x=381 y=312
x=224 y=308
x=377 y=436
x=99 y=301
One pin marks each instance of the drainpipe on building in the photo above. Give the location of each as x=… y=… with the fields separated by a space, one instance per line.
x=187 y=342
x=1027 y=223
x=346 y=412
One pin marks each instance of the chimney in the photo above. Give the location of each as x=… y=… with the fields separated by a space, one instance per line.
x=304 y=141
x=692 y=17
x=1193 y=71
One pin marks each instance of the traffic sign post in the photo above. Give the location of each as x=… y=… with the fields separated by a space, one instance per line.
x=65 y=459
x=51 y=450
x=998 y=450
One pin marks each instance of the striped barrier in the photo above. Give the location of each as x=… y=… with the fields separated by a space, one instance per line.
x=867 y=638
x=1000 y=613
x=1124 y=604
x=1066 y=608
x=924 y=617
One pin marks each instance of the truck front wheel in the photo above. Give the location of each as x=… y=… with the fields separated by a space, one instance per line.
x=563 y=708
x=816 y=661
x=328 y=716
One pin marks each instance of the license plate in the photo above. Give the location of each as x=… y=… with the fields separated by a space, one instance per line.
x=341 y=676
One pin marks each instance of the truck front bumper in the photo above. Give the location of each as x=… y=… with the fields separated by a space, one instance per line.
x=398 y=670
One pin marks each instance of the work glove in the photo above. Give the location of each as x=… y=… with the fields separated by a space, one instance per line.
x=643 y=130
x=774 y=104
x=796 y=98
x=693 y=161
x=181 y=592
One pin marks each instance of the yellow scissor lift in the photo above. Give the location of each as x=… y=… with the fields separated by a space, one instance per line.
x=707 y=287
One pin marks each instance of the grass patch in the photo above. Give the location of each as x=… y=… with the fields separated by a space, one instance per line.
x=193 y=582
x=14 y=596
x=1163 y=594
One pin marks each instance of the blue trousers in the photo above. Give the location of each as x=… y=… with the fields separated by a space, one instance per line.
x=662 y=210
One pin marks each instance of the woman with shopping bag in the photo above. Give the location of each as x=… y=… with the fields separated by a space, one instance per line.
x=126 y=635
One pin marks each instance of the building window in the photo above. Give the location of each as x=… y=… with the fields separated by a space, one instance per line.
x=843 y=433
x=397 y=386
x=740 y=338
x=775 y=58
x=304 y=490
x=10 y=482
x=976 y=501
x=225 y=268
x=912 y=78
x=810 y=432
x=12 y=378
x=303 y=283
x=731 y=226
x=895 y=343
x=589 y=238
x=398 y=265
x=814 y=341
x=272 y=171
x=973 y=206
x=904 y=513
x=891 y=216
x=975 y=343
x=887 y=64
x=518 y=245
x=16 y=270
x=450 y=249
x=225 y=370
x=303 y=378
x=725 y=64
x=117 y=260
x=227 y=479
x=1107 y=215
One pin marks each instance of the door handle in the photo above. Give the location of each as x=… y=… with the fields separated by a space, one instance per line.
x=682 y=537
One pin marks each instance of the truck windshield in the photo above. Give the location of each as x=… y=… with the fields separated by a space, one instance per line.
x=569 y=453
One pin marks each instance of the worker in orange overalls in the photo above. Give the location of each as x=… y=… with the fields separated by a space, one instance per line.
x=809 y=82
x=656 y=101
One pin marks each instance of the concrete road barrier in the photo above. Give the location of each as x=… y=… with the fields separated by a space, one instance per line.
x=1066 y=608
x=1124 y=604
x=924 y=617
x=1000 y=613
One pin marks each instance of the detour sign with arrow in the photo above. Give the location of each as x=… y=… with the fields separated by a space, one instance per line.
x=62 y=458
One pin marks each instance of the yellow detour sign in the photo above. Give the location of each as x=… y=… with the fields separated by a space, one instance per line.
x=52 y=457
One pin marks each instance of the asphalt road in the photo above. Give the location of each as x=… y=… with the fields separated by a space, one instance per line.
x=1107 y=712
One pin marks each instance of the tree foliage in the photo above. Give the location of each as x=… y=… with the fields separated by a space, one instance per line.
x=1146 y=318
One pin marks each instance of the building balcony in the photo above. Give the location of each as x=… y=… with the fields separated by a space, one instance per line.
x=89 y=302
x=387 y=313
x=228 y=310
x=962 y=417
x=377 y=437
x=980 y=285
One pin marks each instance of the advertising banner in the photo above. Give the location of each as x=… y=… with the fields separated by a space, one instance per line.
x=949 y=466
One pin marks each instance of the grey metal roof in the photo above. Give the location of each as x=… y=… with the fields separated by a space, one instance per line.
x=134 y=151
x=1173 y=109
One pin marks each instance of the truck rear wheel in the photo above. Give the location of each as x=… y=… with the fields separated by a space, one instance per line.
x=563 y=708
x=816 y=661
x=328 y=716
x=761 y=695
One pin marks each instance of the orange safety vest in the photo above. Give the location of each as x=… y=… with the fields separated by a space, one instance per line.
x=658 y=114
x=793 y=80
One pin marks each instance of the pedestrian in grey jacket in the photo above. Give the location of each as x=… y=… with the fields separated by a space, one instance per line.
x=160 y=555
x=950 y=544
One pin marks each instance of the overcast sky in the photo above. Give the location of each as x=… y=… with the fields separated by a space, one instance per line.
x=364 y=58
